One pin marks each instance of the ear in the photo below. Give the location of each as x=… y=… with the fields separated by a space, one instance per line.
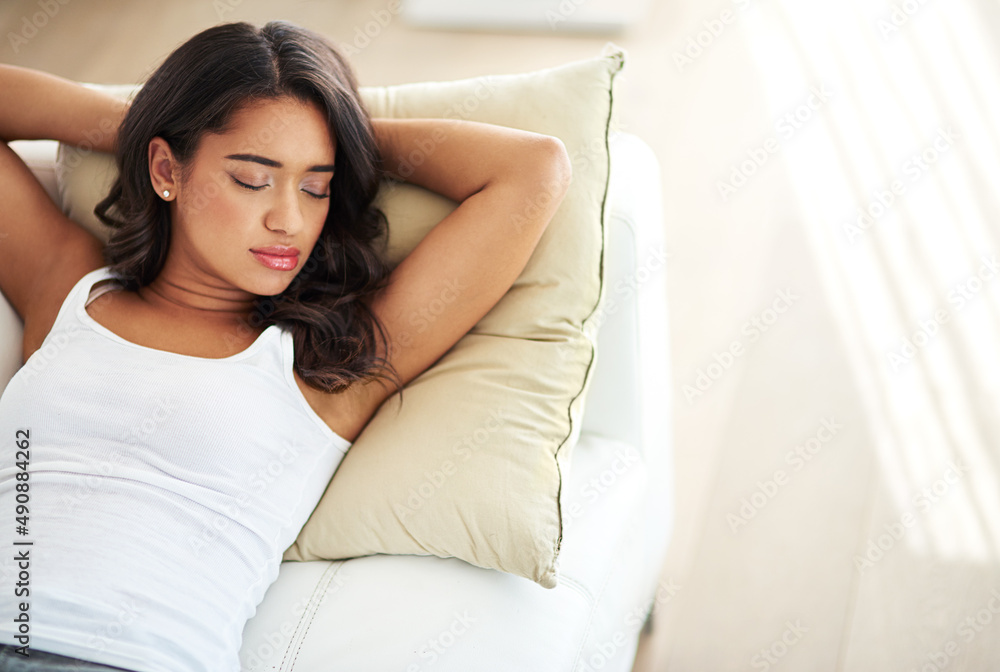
x=163 y=168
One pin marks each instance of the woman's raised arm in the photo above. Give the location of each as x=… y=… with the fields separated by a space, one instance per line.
x=457 y=158
x=509 y=183
x=36 y=105
x=42 y=252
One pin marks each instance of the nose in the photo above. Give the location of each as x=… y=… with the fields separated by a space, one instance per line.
x=285 y=214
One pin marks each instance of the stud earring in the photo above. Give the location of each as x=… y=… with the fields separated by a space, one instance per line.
x=166 y=194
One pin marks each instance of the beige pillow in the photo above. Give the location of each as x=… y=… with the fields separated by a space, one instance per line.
x=472 y=464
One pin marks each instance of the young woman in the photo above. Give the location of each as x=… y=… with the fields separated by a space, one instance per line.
x=239 y=319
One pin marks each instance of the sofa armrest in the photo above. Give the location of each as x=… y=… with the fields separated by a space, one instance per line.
x=630 y=394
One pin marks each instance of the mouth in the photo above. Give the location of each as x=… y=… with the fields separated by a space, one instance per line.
x=277 y=258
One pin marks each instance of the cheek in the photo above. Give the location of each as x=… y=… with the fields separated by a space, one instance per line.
x=318 y=220
x=213 y=212
x=321 y=218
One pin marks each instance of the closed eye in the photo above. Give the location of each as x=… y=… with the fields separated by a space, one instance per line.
x=248 y=186
x=255 y=188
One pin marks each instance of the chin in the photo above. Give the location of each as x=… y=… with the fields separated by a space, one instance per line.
x=270 y=283
x=274 y=288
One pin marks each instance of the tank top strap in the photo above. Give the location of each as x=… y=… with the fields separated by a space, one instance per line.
x=94 y=294
x=287 y=345
x=76 y=300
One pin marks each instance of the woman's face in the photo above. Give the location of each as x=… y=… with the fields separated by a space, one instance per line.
x=283 y=152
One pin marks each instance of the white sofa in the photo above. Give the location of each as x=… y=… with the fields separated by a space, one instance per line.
x=415 y=613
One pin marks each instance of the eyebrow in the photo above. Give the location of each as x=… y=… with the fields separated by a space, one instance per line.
x=277 y=164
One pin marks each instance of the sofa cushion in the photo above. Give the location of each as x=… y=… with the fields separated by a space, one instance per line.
x=472 y=463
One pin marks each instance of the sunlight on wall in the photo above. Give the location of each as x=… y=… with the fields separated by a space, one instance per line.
x=895 y=179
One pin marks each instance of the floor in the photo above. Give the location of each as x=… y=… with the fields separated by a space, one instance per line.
x=828 y=173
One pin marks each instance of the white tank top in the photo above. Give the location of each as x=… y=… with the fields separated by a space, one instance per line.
x=164 y=489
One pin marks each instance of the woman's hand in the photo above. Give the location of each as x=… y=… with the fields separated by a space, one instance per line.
x=36 y=105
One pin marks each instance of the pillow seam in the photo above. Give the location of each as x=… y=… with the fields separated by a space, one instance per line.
x=618 y=63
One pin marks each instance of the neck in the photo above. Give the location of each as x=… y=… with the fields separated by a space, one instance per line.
x=191 y=299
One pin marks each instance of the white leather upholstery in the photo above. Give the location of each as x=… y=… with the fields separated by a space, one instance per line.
x=414 y=613
x=385 y=612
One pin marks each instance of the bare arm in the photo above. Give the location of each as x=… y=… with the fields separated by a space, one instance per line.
x=458 y=158
x=42 y=252
x=36 y=105
x=508 y=184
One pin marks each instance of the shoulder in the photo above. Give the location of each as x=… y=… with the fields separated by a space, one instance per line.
x=51 y=292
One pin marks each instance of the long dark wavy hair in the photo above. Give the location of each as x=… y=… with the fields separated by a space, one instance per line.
x=196 y=90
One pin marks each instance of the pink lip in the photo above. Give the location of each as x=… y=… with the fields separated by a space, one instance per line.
x=277 y=262
x=278 y=250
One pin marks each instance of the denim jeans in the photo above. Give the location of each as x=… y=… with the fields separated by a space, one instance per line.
x=43 y=661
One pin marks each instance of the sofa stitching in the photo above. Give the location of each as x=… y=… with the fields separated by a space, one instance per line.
x=313 y=607
x=590 y=618
x=579 y=588
x=622 y=538
x=597 y=597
